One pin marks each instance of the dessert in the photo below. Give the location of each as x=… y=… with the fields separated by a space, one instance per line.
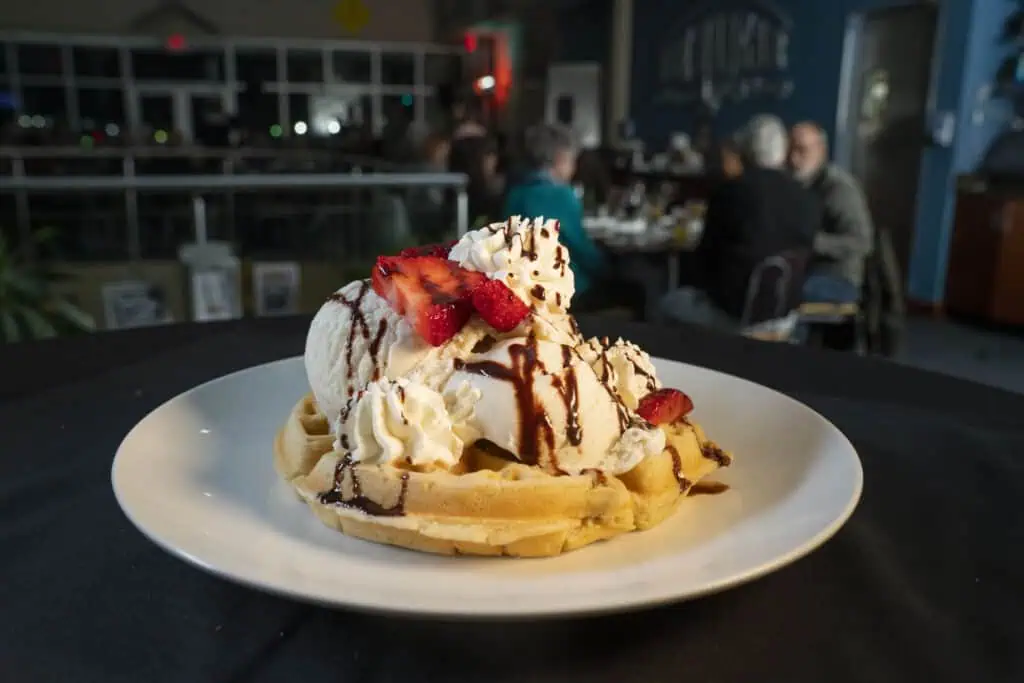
x=455 y=408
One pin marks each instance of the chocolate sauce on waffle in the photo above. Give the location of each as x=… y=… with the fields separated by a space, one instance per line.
x=358 y=501
x=713 y=452
x=708 y=488
x=677 y=468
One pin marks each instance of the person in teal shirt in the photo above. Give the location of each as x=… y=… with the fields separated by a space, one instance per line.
x=545 y=191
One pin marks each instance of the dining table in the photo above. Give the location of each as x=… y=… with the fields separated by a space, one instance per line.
x=923 y=583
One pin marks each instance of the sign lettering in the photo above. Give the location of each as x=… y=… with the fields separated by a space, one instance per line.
x=720 y=53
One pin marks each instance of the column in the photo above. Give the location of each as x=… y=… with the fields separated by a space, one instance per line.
x=620 y=67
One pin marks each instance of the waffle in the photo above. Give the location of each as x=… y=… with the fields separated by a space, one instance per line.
x=489 y=505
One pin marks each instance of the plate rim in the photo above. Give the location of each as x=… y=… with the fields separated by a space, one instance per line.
x=509 y=610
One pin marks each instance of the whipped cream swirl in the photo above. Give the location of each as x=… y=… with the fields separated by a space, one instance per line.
x=623 y=366
x=401 y=420
x=524 y=254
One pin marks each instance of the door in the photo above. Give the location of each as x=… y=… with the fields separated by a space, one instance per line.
x=574 y=100
x=887 y=114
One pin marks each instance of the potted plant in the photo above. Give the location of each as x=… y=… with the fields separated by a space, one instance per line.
x=30 y=305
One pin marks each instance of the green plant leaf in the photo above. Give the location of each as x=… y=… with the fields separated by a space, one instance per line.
x=65 y=310
x=38 y=326
x=24 y=283
x=9 y=325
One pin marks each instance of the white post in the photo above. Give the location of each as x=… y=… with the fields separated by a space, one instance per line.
x=620 y=66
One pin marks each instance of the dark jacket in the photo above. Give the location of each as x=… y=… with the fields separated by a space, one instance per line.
x=846 y=234
x=762 y=213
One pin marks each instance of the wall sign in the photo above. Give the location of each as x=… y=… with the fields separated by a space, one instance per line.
x=726 y=51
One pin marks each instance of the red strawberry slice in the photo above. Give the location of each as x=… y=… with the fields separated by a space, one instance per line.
x=664 y=406
x=431 y=292
x=499 y=306
x=440 y=250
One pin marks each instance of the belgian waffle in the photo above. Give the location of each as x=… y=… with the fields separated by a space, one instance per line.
x=490 y=504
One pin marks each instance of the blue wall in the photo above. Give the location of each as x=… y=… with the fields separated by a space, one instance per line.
x=968 y=55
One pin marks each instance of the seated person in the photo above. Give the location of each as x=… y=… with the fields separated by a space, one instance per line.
x=844 y=241
x=477 y=157
x=543 y=190
x=762 y=212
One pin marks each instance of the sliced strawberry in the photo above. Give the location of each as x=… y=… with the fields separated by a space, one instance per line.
x=432 y=293
x=499 y=306
x=664 y=406
x=439 y=250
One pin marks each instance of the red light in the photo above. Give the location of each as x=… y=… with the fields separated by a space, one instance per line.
x=469 y=42
x=176 y=41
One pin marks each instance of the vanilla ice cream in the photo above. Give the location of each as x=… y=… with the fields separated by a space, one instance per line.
x=539 y=392
x=354 y=339
x=542 y=403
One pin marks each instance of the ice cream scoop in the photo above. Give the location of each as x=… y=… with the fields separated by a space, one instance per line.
x=354 y=339
x=544 y=405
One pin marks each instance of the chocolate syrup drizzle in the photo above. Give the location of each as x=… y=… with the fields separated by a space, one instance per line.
x=509 y=233
x=358 y=324
x=537 y=292
x=713 y=452
x=358 y=501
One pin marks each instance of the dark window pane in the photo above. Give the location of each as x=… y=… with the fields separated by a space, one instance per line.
x=97 y=62
x=39 y=60
x=397 y=69
x=3 y=60
x=256 y=66
x=351 y=67
x=157 y=111
x=442 y=69
x=257 y=110
x=305 y=66
x=298 y=108
x=99 y=106
x=49 y=102
x=397 y=109
x=160 y=65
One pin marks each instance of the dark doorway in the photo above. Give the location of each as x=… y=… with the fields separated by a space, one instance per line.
x=886 y=115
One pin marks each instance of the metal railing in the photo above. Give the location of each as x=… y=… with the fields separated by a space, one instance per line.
x=201 y=187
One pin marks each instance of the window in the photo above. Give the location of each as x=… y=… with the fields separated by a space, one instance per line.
x=157 y=111
x=98 y=107
x=257 y=66
x=96 y=62
x=160 y=65
x=397 y=109
x=3 y=61
x=440 y=69
x=298 y=108
x=351 y=67
x=257 y=110
x=397 y=68
x=305 y=66
x=44 y=101
x=39 y=60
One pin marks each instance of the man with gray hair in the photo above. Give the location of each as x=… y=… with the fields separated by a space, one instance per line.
x=761 y=214
x=845 y=239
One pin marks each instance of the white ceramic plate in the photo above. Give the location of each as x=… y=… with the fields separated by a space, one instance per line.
x=196 y=476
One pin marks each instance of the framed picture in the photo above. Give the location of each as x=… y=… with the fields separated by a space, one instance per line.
x=275 y=288
x=214 y=295
x=134 y=303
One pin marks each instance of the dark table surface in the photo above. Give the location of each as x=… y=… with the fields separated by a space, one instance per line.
x=923 y=584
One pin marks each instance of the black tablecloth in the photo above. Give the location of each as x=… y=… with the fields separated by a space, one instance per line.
x=923 y=584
